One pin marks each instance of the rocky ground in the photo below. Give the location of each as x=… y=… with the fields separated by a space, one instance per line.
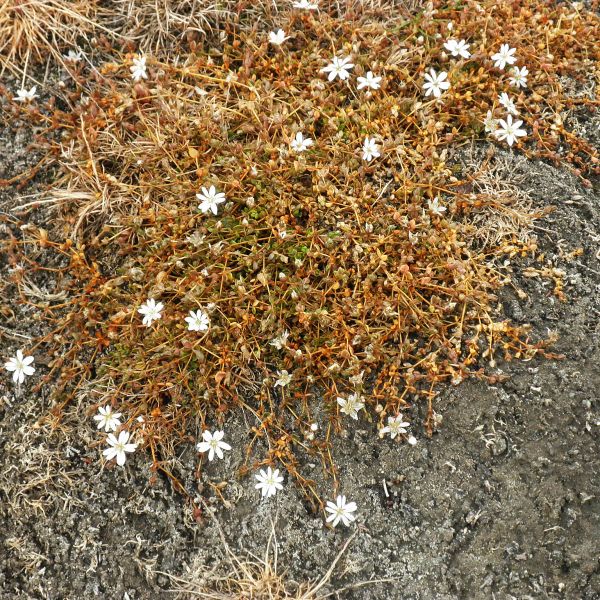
x=503 y=502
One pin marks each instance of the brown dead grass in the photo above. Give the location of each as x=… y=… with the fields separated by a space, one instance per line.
x=159 y=26
x=31 y=31
x=156 y=25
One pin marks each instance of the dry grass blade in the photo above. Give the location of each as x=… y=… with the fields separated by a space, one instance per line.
x=33 y=30
x=155 y=25
x=251 y=578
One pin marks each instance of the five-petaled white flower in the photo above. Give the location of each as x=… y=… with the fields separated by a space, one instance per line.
x=20 y=365
x=138 y=70
x=508 y=103
x=74 y=56
x=370 y=81
x=300 y=143
x=338 y=67
x=210 y=200
x=490 y=123
x=435 y=83
x=24 y=95
x=284 y=378
x=197 y=321
x=269 y=482
x=278 y=37
x=151 y=311
x=518 y=77
x=306 y=5
x=370 y=149
x=395 y=426
x=340 y=510
x=118 y=447
x=351 y=405
x=506 y=56
x=213 y=444
x=435 y=207
x=509 y=131
x=107 y=419
x=280 y=341
x=458 y=48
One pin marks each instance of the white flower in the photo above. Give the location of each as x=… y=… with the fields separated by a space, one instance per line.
x=508 y=104
x=107 y=419
x=338 y=67
x=284 y=378
x=458 y=48
x=300 y=143
x=370 y=81
x=269 y=482
x=118 y=447
x=278 y=37
x=351 y=405
x=210 y=199
x=509 y=131
x=357 y=379
x=306 y=5
x=197 y=321
x=435 y=207
x=370 y=149
x=450 y=45
x=213 y=444
x=20 y=366
x=519 y=77
x=394 y=427
x=151 y=311
x=462 y=48
x=74 y=56
x=280 y=341
x=412 y=440
x=24 y=95
x=340 y=511
x=196 y=239
x=138 y=70
x=490 y=123
x=435 y=84
x=505 y=56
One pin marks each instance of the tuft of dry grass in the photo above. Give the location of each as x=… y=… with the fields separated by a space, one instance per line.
x=380 y=295
x=31 y=31
x=507 y=216
x=156 y=25
x=250 y=577
x=38 y=475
